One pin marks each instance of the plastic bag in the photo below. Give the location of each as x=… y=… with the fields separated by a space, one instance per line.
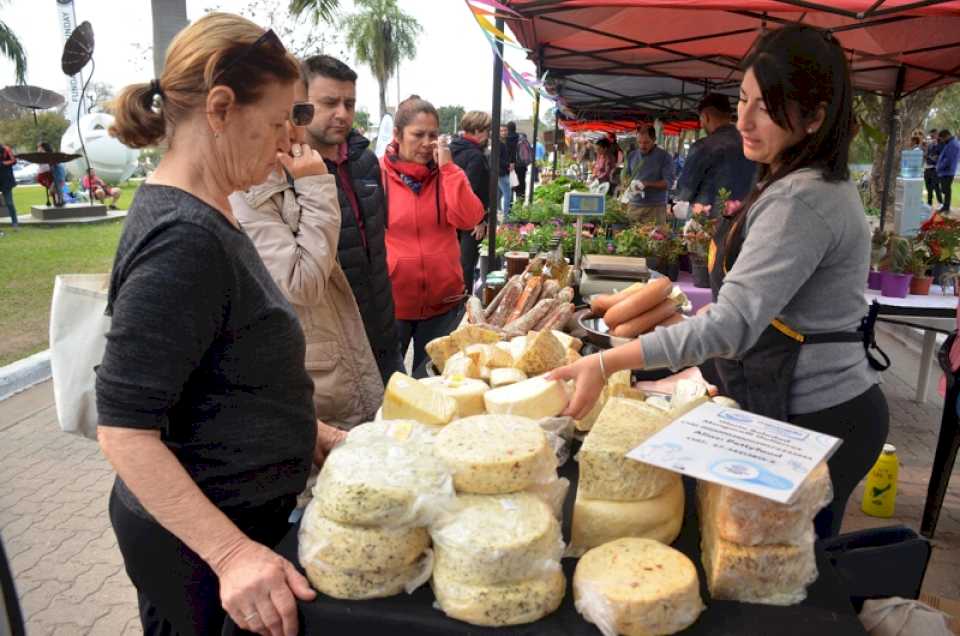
x=499 y=605
x=359 y=585
x=514 y=179
x=553 y=493
x=495 y=540
x=559 y=432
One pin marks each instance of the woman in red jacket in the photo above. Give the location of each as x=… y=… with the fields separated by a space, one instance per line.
x=428 y=200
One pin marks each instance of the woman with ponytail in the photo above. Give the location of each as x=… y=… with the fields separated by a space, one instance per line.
x=787 y=327
x=428 y=200
x=205 y=406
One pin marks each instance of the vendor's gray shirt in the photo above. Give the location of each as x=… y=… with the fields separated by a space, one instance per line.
x=804 y=260
x=657 y=165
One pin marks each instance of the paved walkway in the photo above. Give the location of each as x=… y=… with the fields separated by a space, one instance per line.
x=70 y=578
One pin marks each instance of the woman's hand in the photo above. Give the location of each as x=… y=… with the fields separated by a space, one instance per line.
x=588 y=383
x=480 y=231
x=442 y=153
x=303 y=161
x=259 y=588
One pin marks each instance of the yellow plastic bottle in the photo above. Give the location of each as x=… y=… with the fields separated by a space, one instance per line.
x=880 y=495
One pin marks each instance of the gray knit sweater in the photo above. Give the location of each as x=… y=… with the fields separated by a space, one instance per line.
x=804 y=260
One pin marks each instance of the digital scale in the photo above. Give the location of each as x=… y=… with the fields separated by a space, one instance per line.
x=581 y=204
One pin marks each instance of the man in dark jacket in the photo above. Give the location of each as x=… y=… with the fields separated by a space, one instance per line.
x=508 y=164
x=930 y=156
x=362 y=252
x=947 y=165
x=468 y=153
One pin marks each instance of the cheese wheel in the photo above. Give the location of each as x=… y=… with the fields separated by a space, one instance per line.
x=358 y=548
x=637 y=587
x=605 y=471
x=499 y=605
x=409 y=399
x=505 y=376
x=542 y=353
x=399 y=430
x=356 y=585
x=596 y=521
x=535 y=398
x=498 y=539
x=468 y=393
x=495 y=454
x=466 y=335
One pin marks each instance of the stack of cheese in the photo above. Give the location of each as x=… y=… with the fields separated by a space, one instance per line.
x=364 y=533
x=759 y=551
x=619 y=497
x=637 y=587
x=498 y=557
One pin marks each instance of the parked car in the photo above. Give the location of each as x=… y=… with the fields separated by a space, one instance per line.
x=25 y=172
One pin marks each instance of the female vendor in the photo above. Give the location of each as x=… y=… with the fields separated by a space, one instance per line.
x=788 y=270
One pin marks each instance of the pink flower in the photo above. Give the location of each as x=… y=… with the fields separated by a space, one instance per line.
x=610 y=248
x=732 y=207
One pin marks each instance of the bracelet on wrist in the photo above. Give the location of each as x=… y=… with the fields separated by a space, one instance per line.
x=603 y=368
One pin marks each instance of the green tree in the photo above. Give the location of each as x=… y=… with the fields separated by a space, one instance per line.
x=450 y=118
x=319 y=10
x=22 y=134
x=945 y=111
x=381 y=36
x=361 y=119
x=12 y=49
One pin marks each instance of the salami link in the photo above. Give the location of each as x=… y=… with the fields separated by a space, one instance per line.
x=511 y=294
x=557 y=318
x=526 y=322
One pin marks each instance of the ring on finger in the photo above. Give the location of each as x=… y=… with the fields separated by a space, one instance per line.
x=252 y=616
x=296 y=151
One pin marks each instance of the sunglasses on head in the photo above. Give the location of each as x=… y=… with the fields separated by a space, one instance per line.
x=268 y=40
x=301 y=114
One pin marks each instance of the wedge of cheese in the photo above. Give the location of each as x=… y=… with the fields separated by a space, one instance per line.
x=571 y=357
x=488 y=355
x=499 y=605
x=439 y=349
x=637 y=587
x=468 y=393
x=359 y=585
x=517 y=345
x=507 y=347
x=409 y=399
x=605 y=471
x=568 y=341
x=534 y=398
x=505 y=376
x=358 y=548
x=597 y=521
x=466 y=335
x=462 y=365
x=495 y=454
x=492 y=540
x=542 y=353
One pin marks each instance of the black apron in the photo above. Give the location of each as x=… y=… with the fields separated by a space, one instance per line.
x=761 y=379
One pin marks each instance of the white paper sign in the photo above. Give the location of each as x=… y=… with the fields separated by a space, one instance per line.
x=736 y=448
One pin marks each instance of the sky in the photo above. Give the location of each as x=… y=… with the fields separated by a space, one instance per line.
x=453 y=65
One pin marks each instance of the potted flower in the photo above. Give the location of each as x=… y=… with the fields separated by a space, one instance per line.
x=632 y=241
x=697 y=236
x=878 y=249
x=918 y=266
x=895 y=282
x=942 y=236
x=667 y=248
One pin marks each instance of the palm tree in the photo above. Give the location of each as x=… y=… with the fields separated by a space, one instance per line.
x=381 y=36
x=12 y=49
x=321 y=10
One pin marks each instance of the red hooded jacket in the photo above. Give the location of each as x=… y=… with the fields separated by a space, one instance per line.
x=423 y=251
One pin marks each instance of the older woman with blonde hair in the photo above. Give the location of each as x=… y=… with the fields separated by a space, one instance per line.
x=205 y=406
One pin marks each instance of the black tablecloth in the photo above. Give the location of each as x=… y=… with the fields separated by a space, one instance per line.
x=826 y=611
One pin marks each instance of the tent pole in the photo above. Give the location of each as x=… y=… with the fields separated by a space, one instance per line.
x=891 y=144
x=494 y=197
x=536 y=131
x=556 y=143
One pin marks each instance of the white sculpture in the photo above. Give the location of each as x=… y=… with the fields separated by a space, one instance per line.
x=113 y=161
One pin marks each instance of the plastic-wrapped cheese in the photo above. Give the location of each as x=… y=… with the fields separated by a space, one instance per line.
x=534 y=398
x=496 y=454
x=505 y=376
x=409 y=399
x=379 y=481
x=499 y=605
x=468 y=393
x=359 y=585
x=605 y=471
x=618 y=380
x=637 y=587
x=399 y=430
x=498 y=539
x=747 y=519
x=597 y=521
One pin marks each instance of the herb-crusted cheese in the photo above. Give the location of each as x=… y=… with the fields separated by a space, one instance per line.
x=356 y=547
x=637 y=587
x=468 y=392
x=605 y=471
x=359 y=585
x=498 y=539
x=495 y=454
x=409 y=399
x=499 y=605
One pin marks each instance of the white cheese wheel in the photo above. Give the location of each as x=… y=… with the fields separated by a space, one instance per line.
x=409 y=399
x=356 y=585
x=637 y=587
x=468 y=393
x=535 y=398
x=356 y=547
x=495 y=454
x=499 y=605
x=379 y=481
x=596 y=521
x=542 y=353
x=605 y=471
x=498 y=539
x=505 y=376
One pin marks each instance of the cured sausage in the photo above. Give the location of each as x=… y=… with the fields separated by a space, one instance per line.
x=557 y=318
x=475 y=311
x=639 y=302
x=527 y=321
x=531 y=291
x=511 y=292
x=646 y=321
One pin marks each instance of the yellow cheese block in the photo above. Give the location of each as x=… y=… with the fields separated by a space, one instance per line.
x=495 y=454
x=499 y=605
x=468 y=392
x=596 y=521
x=498 y=539
x=534 y=398
x=466 y=335
x=637 y=587
x=605 y=471
x=542 y=353
x=408 y=399
x=615 y=384
x=356 y=585
x=505 y=376
x=488 y=355
x=440 y=349
x=358 y=548
x=461 y=364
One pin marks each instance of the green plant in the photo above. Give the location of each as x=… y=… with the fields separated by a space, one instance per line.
x=698 y=233
x=920 y=257
x=898 y=254
x=633 y=241
x=666 y=245
x=615 y=213
x=554 y=191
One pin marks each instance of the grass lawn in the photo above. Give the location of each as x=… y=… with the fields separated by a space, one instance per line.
x=26 y=195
